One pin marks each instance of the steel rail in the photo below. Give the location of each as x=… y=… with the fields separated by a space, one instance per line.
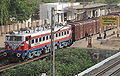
x=12 y=65
x=115 y=72
x=107 y=68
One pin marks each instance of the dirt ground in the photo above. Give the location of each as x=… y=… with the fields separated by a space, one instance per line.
x=112 y=42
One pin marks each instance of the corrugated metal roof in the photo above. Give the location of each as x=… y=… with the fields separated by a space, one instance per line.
x=89 y=6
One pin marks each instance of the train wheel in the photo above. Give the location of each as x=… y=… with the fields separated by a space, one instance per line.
x=23 y=58
x=60 y=45
x=69 y=42
x=37 y=53
x=30 y=55
x=65 y=44
x=47 y=49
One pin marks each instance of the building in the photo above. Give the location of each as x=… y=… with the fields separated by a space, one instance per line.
x=75 y=11
x=61 y=11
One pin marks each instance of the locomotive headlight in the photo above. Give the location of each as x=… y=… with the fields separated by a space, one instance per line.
x=4 y=54
x=18 y=54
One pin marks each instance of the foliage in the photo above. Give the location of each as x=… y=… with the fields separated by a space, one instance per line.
x=111 y=1
x=48 y=1
x=84 y=0
x=21 y=10
x=68 y=63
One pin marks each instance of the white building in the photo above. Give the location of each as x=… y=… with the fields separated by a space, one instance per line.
x=61 y=12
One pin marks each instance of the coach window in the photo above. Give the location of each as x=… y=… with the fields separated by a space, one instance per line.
x=43 y=38
x=36 y=40
x=56 y=35
x=59 y=34
x=39 y=39
x=50 y=37
x=33 y=41
x=62 y=33
x=46 y=37
x=67 y=32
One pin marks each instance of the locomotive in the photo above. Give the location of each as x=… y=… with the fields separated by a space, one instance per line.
x=28 y=43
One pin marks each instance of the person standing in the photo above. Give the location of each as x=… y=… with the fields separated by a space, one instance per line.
x=86 y=35
x=105 y=35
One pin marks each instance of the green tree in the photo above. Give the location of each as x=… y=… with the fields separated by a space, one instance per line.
x=4 y=13
x=19 y=9
x=111 y=1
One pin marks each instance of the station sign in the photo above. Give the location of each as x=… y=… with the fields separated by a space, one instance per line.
x=109 y=20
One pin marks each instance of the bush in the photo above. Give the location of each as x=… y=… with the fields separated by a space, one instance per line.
x=69 y=61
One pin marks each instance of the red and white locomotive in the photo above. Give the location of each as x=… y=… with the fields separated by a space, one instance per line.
x=28 y=43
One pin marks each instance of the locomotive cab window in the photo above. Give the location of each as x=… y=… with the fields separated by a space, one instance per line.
x=8 y=38
x=14 y=38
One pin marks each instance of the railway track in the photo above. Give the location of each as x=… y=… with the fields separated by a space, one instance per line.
x=12 y=65
x=115 y=72
x=100 y=73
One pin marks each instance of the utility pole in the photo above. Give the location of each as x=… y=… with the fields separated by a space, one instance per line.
x=52 y=58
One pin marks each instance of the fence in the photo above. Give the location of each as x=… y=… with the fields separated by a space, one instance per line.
x=8 y=28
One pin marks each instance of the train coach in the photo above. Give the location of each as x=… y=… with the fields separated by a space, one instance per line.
x=91 y=26
x=83 y=27
x=27 y=43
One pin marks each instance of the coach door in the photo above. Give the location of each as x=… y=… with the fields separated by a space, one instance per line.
x=28 y=38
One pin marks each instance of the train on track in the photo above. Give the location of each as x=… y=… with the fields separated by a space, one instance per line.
x=28 y=43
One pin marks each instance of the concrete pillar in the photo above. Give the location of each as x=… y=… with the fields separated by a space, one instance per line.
x=99 y=12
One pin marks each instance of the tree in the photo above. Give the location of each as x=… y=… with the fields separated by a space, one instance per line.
x=111 y=1
x=21 y=10
x=4 y=13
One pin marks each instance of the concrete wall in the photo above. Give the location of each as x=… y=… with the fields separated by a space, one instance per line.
x=8 y=28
